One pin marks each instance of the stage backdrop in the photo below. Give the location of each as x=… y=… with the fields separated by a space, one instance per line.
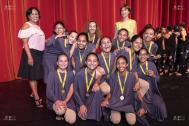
x=75 y=14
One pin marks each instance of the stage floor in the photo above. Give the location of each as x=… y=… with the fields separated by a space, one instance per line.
x=18 y=109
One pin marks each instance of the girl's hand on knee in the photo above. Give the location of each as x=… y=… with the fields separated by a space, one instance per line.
x=141 y=112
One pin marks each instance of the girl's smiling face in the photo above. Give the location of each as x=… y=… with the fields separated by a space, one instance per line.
x=122 y=36
x=143 y=55
x=82 y=42
x=137 y=44
x=106 y=45
x=148 y=35
x=121 y=65
x=59 y=29
x=92 y=27
x=62 y=62
x=92 y=62
x=72 y=37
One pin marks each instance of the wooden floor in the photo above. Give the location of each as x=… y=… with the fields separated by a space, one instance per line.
x=18 y=109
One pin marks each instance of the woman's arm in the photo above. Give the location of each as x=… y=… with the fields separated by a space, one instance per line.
x=26 y=46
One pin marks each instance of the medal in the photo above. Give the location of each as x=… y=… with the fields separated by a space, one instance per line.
x=63 y=91
x=88 y=83
x=143 y=71
x=87 y=95
x=122 y=86
x=62 y=81
x=108 y=76
x=122 y=98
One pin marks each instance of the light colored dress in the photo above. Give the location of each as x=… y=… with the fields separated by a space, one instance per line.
x=130 y=25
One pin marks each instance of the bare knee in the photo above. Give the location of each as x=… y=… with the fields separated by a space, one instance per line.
x=131 y=118
x=70 y=116
x=115 y=117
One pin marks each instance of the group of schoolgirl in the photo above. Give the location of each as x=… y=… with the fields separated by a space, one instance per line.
x=94 y=77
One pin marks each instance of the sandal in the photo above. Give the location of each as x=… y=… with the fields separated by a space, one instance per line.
x=38 y=103
x=32 y=98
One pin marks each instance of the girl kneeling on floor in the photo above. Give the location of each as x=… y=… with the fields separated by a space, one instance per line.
x=60 y=90
x=121 y=97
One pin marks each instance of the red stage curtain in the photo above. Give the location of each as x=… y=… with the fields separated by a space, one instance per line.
x=75 y=14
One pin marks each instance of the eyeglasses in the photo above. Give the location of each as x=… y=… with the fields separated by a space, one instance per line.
x=59 y=28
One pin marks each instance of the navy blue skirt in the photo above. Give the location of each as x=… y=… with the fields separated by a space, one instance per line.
x=34 y=72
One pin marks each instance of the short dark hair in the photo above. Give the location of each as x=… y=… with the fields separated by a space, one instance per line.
x=123 y=57
x=103 y=38
x=158 y=30
x=56 y=23
x=125 y=6
x=62 y=54
x=169 y=28
x=83 y=34
x=176 y=28
x=134 y=38
x=146 y=27
x=143 y=49
x=123 y=29
x=29 y=11
x=183 y=24
x=92 y=53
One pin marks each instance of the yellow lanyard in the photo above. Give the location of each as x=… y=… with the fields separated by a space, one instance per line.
x=92 y=39
x=80 y=57
x=150 y=47
x=122 y=86
x=107 y=65
x=118 y=45
x=60 y=78
x=130 y=60
x=65 y=42
x=143 y=71
x=88 y=84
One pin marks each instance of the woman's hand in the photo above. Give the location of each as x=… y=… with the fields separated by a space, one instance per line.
x=141 y=112
x=30 y=61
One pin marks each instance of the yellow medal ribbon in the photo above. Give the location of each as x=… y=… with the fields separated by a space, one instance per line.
x=118 y=45
x=150 y=47
x=65 y=42
x=120 y=84
x=80 y=57
x=107 y=65
x=92 y=38
x=60 y=78
x=130 y=60
x=143 y=71
x=88 y=84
